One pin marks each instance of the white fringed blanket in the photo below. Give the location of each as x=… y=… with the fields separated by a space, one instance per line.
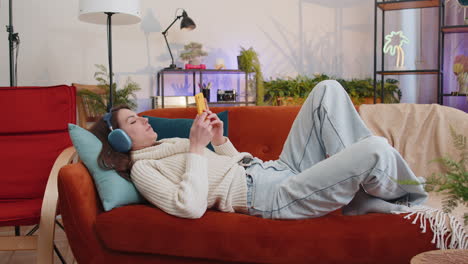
x=421 y=133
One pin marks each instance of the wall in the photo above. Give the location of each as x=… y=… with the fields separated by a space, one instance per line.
x=291 y=36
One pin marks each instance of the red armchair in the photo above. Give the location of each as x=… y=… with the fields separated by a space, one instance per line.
x=34 y=145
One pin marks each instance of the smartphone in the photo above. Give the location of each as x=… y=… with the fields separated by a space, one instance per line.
x=200 y=101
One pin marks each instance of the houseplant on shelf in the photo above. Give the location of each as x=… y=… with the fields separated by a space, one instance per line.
x=361 y=91
x=193 y=53
x=291 y=91
x=124 y=96
x=248 y=62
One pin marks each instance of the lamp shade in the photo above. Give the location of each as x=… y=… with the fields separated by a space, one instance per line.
x=125 y=11
x=187 y=22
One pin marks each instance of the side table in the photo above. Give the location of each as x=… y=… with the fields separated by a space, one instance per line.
x=448 y=256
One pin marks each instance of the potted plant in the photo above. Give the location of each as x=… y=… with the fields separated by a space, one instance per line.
x=453 y=182
x=98 y=103
x=291 y=91
x=248 y=61
x=193 y=53
x=361 y=91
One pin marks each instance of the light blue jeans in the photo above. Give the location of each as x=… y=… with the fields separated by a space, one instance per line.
x=304 y=183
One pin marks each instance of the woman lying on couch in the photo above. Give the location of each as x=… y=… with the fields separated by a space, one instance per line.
x=330 y=160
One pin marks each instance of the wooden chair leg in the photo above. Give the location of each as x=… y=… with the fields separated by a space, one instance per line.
x=59 y=224
x=33 y=230
x=62 y=259
x=69 y=258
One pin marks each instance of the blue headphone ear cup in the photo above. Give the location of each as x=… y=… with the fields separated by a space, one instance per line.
x=120 y=141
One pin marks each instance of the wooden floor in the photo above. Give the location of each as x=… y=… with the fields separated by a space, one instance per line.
x=29 y=257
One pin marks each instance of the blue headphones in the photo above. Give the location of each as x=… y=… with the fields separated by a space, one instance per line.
x=118 y=139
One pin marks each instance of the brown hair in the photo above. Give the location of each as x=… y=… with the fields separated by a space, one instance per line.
x=110 y=159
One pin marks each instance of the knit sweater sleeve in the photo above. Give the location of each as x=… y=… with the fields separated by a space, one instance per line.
x=187 y=198
x=227 y=149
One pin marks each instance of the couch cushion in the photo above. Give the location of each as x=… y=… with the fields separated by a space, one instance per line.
x=180 y=127
x=32 y=175
x=20 y=211
x=343 y=239
x=247 y=136
x=33 y=132
x=113 y=190
x=26 y=107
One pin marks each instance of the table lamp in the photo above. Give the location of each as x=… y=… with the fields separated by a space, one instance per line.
x=186 y=23
x=119 y=12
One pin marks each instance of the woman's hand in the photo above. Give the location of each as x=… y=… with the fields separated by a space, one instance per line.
x=217 y=128
x=201 y=133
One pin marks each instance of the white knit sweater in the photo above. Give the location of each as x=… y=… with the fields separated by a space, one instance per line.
x=186 y=184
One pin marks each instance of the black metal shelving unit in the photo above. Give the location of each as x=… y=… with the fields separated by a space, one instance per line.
x=455 y=29
x=200 y=72
x=444 y=31
x=386 y=6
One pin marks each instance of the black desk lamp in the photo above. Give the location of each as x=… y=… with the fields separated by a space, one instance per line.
x=186 y=23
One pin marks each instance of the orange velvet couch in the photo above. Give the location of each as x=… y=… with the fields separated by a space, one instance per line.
x=145 y=234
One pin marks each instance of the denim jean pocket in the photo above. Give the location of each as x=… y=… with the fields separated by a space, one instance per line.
x=264 y=185
x=249 y=181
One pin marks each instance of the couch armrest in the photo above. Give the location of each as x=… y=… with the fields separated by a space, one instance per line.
x=79 y=206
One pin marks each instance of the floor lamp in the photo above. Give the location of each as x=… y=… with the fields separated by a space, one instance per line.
x=12 y=39
x=118 y=12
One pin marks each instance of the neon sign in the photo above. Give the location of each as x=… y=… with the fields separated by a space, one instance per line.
x=400 y=38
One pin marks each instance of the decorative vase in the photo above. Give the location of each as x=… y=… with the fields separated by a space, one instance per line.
x=219 y=65
x=206 y=94
x=460 y=69
x=462 y=79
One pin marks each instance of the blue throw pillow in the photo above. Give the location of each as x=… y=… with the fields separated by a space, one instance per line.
x=113 y=190
x=180 y=127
